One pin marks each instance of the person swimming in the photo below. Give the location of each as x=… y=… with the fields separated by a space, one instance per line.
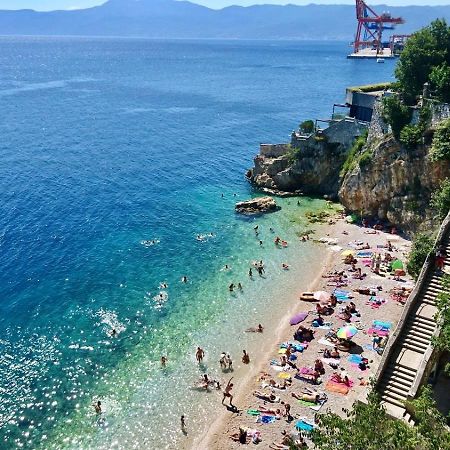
x=184 y=279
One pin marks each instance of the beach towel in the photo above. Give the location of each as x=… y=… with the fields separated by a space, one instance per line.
x=333 y=362
x=364 y=254
x=326 y=342
x=284 y=375
x=295 y=346
x=355 y=359
x=312 y=405
x=338 y=388
x=325 y=326
x=381 y=324
x=378 y=332
x=306 y=370
x=266 y=419
x=282 y=351
x=304 y=426
x=253 y=412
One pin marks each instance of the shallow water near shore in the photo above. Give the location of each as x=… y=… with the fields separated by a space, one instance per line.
x=108 y=145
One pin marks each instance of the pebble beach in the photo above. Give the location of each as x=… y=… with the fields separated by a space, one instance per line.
x=378 y=311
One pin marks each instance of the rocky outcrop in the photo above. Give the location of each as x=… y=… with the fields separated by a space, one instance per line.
x=257 y=206
x=310 y=165
x=395 y=184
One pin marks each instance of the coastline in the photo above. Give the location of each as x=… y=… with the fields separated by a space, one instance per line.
x=219 y=426
x=226 y=423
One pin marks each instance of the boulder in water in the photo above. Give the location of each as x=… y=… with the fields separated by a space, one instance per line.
x=257 y=206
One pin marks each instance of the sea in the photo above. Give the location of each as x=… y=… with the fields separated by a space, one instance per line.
x=121 y=161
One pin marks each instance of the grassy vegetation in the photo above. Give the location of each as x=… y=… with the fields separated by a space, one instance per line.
x=440 y=146
x=421 y=247
x=371 y=87
x=440 y=199
x=354 y=154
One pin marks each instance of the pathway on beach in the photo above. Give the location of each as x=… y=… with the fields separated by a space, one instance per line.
x=378 y=313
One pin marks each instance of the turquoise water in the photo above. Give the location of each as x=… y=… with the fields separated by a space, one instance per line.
x=108 y=143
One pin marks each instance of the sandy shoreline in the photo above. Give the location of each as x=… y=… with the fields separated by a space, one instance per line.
x=227 y=422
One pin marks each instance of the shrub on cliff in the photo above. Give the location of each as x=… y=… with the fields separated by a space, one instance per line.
x=426 y=52
x=440 y=199
x=411 y=135
x=307 y=126
x=421 y=247
x=396 y=114
x=440 y=146
x=353 y=154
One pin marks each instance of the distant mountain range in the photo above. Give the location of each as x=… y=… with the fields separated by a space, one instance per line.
x=181 y=19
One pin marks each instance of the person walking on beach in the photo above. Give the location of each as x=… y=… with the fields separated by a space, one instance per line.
x=223 y=361
x=245 y=357
x=199 y=355
x=227 y=392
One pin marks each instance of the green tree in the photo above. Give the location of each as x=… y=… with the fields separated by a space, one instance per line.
x=396 y=114
x=443 y=306
x=368 y=427
x=440 y=146
x=430 y=423
x=440 y=81
x=424 y=50
x=421 y=247
x=365 y=427
x=440 y=199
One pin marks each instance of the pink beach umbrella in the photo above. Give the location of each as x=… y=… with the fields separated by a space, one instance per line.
x=297 y=318
x=322 y=296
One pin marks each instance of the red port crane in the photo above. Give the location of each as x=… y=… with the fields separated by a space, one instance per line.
x=371 y=26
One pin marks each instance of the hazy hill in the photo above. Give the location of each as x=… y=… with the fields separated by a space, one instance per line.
x=173 y=19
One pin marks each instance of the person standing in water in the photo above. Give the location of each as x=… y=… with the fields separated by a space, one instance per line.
x=250 y=272
x=98 y=407
x=199 y=355
x=183 y=422
x=163 y=361
x=245 y=357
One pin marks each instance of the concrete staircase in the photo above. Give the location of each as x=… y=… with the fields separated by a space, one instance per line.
x=403 y=369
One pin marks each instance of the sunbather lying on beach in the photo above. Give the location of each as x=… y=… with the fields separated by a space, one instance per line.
x=331 y=353
x=308 y=395
x=272 y=398
x=273 y=412
x=258 y=329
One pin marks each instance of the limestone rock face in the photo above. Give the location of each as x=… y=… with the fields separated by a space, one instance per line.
x=315 y=168
x=257 y=206
x=396 y=185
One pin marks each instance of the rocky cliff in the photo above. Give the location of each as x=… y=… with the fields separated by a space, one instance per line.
x=385 y=180
x=394 y=184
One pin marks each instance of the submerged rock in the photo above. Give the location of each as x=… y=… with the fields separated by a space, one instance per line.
x=257 y=206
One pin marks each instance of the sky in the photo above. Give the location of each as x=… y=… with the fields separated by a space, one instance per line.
x=48 y=5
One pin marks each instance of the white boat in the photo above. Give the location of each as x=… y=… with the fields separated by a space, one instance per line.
x=380 y=60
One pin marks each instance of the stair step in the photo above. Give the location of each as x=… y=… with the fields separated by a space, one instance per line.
x=420 y=328
x=425 y=320
x=389 y=394
x=400 y=393
x=413 y=348
x=425 y=335
x=395 y=379
x=390 y=384
x=399 y=373
x=392 y=401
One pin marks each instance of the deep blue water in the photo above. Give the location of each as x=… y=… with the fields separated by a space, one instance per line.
x=105 y=143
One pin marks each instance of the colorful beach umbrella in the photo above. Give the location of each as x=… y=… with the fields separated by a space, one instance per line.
x=397 y=264
x=346 y=332
x=297 y=318
x=322 y=296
